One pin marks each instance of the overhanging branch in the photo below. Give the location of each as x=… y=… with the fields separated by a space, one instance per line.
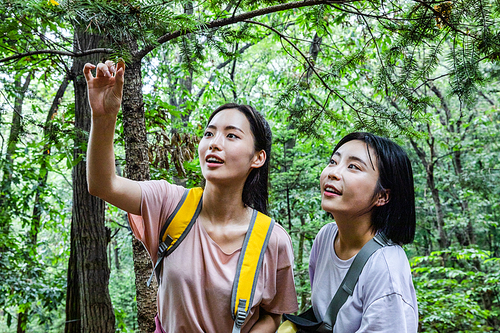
x=311 y=66
x=56 y=52
x=236 y=19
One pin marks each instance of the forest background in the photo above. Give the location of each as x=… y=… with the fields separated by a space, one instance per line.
x=423 y=73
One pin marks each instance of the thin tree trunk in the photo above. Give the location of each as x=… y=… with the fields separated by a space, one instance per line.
x=16 y=128
x=464 y=237
x=43 y=174
x=22 y=321
x=42 y=180
x=137 y=168
x=300 y=259
x=116 y=254
x=13 y=140
x=90 y=235
x=289 y=145
x=429 y=169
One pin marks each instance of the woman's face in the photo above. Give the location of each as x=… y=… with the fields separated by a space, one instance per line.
x=349 y=181
x=227 y=151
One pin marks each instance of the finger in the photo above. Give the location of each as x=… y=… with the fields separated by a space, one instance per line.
x=119 y=76
x=111 y=66
x=102 y=70
x=120 y=66
x=87 y=71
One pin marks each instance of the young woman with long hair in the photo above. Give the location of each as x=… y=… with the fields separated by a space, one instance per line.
x=197 y=278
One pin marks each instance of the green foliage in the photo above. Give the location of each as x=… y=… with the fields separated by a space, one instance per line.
x=457 y=290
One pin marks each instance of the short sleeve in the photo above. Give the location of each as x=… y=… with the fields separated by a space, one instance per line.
x=159 y=199
x=384 y=310
x=280 y=296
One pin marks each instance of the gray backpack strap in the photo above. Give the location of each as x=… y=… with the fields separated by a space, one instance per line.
x=350 y=280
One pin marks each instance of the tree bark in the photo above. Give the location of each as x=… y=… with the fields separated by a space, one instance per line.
x=89 y=235
x=42 y=181
x=300 y=261
x=429 y=169
x=15 y=132
x=73 y=321
x=43 y=174
x=137 y=168
x=464 y=237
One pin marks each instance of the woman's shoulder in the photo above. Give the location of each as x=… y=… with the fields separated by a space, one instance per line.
x=279 y=247
x=326 y=233
x=388 y=269
x=389 y=259
x=280 y=236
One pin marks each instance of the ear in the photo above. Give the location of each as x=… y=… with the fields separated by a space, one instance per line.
x=383 y=198
x=259 y=159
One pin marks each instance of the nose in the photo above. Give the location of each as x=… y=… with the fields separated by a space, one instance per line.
x=216 y=142
x=333 y=173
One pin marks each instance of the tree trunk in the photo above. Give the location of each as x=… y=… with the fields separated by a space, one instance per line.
x=300 y=260
x=90 y=236
x=73 y=321
x=43 y=174
x=22 y=321
x=137 y=168
x=114 y=244
x=464 y=237
x=5 y=203
x=15 y=132
x=42 y=180
x=429 y=169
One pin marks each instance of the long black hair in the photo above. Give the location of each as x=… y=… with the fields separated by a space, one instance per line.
x=255 y=190
x=396 y=219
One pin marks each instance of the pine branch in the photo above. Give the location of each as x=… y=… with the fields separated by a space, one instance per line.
x=442 y=18
x=235 y=19
x=57 y=52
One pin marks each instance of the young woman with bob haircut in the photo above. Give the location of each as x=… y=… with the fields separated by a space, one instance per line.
x=197 y=278
x=367 y=187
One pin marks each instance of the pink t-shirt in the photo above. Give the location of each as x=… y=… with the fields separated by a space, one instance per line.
x=197 y=278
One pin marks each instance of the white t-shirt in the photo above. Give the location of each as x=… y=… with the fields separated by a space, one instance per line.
x=384 y=298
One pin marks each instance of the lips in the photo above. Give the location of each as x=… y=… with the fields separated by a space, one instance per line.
x=332 y=190
x=214 y=160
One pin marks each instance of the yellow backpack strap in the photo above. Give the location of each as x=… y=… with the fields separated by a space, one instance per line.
x=249 y=263
x=177 y=226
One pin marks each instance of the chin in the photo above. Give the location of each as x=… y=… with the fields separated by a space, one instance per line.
x=326 y=207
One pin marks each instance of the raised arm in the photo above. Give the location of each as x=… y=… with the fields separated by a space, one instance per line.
x=105 y=92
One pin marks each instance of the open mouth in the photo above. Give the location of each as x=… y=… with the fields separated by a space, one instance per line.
x=213 y=159
x=332 y=190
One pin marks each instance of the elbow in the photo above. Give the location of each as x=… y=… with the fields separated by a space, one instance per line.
x=93 y=190
x=96 y=189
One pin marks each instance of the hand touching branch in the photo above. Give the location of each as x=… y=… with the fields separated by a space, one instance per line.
x=105 y=90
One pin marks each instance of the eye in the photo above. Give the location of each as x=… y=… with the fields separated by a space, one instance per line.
x=232 y=136
x=208 y=133
x=353 y=166
x=332 y=162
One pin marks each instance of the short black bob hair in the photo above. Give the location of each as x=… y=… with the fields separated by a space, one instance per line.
x=396 y=219
x=255 y=189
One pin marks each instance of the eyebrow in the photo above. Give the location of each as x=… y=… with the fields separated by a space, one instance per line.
x=229 y=127
x=355 y=158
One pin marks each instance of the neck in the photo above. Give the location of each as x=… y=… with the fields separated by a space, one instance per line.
x=353 y=234
x=223 y=204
